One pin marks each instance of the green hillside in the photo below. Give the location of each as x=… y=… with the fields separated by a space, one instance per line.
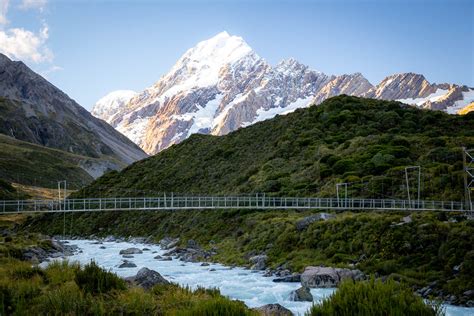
x=365 y=142
x=30 y=164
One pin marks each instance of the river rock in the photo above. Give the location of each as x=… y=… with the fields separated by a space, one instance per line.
x=302 y=224
x=295 y=277
x=168 y=243
x=127 y=264
x=258 y=262
x=110 y=238
x=204 y=264
x=303 y=294
x=137 y=240
x=273 y=310
x=192 y=244
x=326 y=277
x=158 y=257
x=130 y=251
x=128 y=256
x=147 y=278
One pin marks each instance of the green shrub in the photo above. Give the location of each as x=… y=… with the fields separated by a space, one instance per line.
x=217 y=306
x=374 y=298
x=93 y=279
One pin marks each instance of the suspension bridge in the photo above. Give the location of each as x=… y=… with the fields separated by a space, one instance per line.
x=255 y=202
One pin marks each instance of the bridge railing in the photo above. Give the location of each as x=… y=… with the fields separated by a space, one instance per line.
x=222 y=202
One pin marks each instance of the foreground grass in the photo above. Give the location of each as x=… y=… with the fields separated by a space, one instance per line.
x=375 y=298
x=68 y=289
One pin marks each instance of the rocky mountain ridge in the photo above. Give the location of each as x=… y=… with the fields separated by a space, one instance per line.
x=221 y=85
x=34 y=110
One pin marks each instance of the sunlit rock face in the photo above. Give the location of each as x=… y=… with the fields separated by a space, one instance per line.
x=221 y=85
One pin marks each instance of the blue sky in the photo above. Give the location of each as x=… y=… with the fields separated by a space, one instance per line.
x=89 y=48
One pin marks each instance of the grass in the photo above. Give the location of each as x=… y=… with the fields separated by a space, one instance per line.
x=28 y=290
x=375 y=298
x=34 y=165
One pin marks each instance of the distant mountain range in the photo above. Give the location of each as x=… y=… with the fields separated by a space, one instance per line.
x=221 y=84
x=35 y=111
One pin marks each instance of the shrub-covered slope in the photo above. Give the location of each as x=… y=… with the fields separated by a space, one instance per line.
x=31 y=164
x=346 y=139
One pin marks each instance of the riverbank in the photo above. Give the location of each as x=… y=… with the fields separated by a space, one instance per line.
x=249 y=286
x=432 y=252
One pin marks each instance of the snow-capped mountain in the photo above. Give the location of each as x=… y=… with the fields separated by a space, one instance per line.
x=221 y=85
x=110 y=104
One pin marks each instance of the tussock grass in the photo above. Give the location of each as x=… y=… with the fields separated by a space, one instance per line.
x=375 y=298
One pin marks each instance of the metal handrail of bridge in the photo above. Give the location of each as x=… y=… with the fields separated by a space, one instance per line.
x=224 y=202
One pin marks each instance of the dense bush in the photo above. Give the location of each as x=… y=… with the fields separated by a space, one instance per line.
x=93 y=279
x=375 y=298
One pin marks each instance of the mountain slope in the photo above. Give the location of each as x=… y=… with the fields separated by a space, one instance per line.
x=32 y=164
x=221 y=85
x=346 y=139
x=34 y=110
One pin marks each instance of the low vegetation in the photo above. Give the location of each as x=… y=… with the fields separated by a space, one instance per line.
x=375 y=298
x=35 y=165
x=64 y=288
x=68 y=289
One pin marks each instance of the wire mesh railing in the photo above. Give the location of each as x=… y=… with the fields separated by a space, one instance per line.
x=223 y=202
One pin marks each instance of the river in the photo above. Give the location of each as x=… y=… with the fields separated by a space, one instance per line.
x=237 y=283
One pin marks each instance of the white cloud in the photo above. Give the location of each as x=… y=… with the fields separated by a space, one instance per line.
x=33 y=4
x=47 y=72
x=3 y=11
x=18 y=43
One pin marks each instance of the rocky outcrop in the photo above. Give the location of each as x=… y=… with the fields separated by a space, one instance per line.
x=191 y=253
x=354 y=84
x=327 y=277
x=147 y=278
x=303 y=294
x=168 y=243
x=56 y=249
x=273 y=310
x=303 y=223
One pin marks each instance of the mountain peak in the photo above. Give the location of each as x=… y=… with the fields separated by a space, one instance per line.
x=221 y=49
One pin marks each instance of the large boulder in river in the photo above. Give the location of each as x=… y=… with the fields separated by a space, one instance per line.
x=325 y=277
x=273 y=310
x=258 y=262
x=147 y=278
x=130 y=251
x=127 y=264
x=303 y=294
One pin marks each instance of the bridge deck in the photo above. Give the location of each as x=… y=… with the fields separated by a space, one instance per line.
x=222 y=202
